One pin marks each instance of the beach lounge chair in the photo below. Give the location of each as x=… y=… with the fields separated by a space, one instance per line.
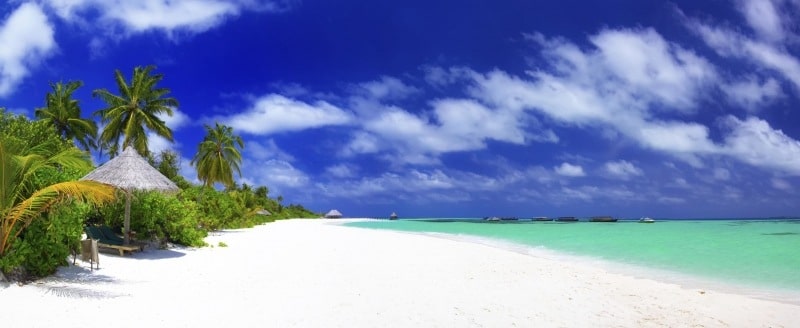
x=95 y=233
x=110 y=235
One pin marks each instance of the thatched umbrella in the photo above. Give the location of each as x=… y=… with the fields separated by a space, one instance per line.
x=130 y=172
x=333 y=214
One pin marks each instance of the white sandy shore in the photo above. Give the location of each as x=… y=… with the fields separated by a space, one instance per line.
x=311 y=273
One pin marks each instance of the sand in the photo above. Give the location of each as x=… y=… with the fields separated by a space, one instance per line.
x=315 y=273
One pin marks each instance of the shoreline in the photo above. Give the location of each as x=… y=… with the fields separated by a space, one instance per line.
x=311 y=273
x=686 y=280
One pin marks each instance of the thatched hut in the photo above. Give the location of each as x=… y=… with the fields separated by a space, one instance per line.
x=333 y=214
x=130 y=172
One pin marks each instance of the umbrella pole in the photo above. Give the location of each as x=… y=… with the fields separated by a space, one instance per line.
x=127 y=223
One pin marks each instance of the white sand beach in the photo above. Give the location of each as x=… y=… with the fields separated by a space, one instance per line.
x=315 y=273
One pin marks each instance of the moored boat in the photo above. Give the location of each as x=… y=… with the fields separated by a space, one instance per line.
x=541 y=218
x=646 y=220
x=567 y=219
x=604 y=218
x=393 y=216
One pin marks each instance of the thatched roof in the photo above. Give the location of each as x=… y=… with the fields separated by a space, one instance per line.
x=333 y=214
x=130 y=171
x=263 y=212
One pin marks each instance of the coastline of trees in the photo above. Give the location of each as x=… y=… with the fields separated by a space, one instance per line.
x=40 y=225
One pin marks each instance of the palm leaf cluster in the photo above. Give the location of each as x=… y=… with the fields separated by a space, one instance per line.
x=134 y=111
x=218 y=156
x=64 y=113
x=22 y=201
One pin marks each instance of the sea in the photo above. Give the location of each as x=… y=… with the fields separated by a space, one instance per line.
x=755 y=257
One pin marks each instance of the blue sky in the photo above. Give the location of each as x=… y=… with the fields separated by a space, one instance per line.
x=454 y=108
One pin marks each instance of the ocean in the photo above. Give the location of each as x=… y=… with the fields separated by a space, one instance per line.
x=759 y=257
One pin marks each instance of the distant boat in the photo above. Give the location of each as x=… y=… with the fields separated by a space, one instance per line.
x=509 y=218
x=567 y=219
x=602 y=219
x=393 y=216
x=646 y=220
x=541 y=218
x=494 y=218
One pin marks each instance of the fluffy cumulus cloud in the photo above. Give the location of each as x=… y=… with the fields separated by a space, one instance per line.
x=752 y=93
x=163 y=15
x=569 y=170
x=622 y=169
x=755 y=142
x=451 y=125
x=277 y=174
x=26 y=37
x=275 y=113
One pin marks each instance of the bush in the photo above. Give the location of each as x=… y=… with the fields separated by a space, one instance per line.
x=47 y=243
x=160 y=216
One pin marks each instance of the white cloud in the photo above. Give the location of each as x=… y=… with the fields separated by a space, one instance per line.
x=276 y=174
x=387 y=88
x=642 y=59
x=452 y=125
x=755 y=142
x=781 y=184
x=675 y=137
x=622 y=169
x=266 y=149
x=569 y=170
x=729 y=43
x=26 y=37
x=275 y=113
x=341 y=171
x=722 y=174
x=763 y=17
x=751 y=93
x=164 y=15
x=625 y=83
x=156 y=144
x=176 y=121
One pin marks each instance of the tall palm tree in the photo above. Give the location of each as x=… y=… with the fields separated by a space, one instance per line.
x=64 y=113
x=217 y=156
x=134 y=111
x=21 y=201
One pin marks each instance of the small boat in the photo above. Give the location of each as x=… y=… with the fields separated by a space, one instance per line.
x=393 y=216
x=567 y=219
x=602 y=219
x=541 y=218
x=646 y=220
x=494 y=218
x=509 y=218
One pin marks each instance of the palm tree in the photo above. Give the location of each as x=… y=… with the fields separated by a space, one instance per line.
x=21 y=201
x=64 y=113
x=134 y=111
x=217 y=156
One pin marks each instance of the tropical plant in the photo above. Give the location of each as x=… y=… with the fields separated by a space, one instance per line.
x=64 y=114
x=134 y=111
x=217 y=156
x=22 y=201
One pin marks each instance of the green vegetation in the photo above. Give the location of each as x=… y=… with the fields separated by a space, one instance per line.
x=134 y=110
x=64 y=114
x=41 y=204
x=221 y=244
x=44 y=207
x=217 y=156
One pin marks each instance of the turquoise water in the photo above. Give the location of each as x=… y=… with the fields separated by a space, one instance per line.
x=757 y=253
